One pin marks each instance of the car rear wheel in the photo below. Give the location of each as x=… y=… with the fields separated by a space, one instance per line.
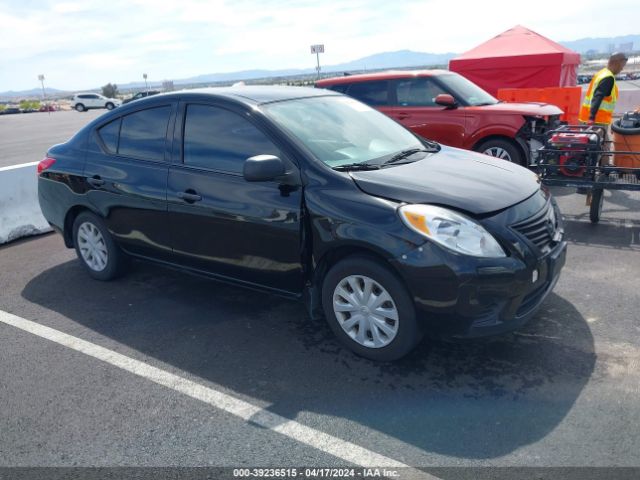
x=369 y=309
x=502 y=149
x=96 y=249
x=80 y=107
x=110 y=106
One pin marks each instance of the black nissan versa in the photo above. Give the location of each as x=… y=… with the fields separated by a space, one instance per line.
x=310 y=194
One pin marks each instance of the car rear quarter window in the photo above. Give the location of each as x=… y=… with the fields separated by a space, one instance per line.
x=221 y=140
x=142 y=134
x=371 y=93
x=109 y=135
x=417 y=92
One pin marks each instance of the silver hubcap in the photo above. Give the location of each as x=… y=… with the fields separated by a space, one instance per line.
x=498 y=153
x=92 y=247
x=365 y=311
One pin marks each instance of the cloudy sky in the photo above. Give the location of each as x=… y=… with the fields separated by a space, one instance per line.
x=85 y=44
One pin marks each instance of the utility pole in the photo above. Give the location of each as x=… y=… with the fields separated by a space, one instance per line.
x=317 y=49
x=44 y=94
x=144 y=75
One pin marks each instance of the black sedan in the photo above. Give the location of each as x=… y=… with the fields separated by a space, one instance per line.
x=310 y=194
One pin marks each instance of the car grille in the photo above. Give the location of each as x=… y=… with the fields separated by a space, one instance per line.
x=540 y=229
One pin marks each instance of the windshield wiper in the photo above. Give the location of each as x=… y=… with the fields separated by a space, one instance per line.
x=356 y=166
x=407 y=153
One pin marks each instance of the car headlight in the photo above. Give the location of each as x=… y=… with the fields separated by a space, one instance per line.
x=451 y=230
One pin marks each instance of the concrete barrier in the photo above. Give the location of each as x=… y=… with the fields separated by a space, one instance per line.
x=20 y=213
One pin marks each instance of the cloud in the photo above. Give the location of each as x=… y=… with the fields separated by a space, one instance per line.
x=83 y=44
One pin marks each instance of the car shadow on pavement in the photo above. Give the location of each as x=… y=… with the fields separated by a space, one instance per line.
x=619 y=236
x=474 y=399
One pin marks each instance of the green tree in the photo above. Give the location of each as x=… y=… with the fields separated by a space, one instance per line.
x=29 y=105
x=110 y=91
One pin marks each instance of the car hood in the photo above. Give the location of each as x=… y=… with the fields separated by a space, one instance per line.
x=456 y=178
x=533 y=109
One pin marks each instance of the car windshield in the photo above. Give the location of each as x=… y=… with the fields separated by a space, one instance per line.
x=342 y=131
x=467 y=91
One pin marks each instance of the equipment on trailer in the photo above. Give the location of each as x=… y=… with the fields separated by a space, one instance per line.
x=580 y=156
x=626 y=136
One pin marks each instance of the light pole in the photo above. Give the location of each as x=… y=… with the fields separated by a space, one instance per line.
x=44 y=94
x=146 y=85
x=317 y=49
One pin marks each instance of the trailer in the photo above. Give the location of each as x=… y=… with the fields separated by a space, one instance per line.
x=581 y=156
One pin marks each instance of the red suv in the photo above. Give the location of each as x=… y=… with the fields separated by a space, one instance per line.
x=448 y=108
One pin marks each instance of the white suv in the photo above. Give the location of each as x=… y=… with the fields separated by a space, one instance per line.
x=85 y=101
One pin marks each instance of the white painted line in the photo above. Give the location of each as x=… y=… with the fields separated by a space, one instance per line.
x=337 y=447
x=19 y=165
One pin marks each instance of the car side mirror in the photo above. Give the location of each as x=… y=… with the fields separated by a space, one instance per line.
x=263 y=168
x=446 y=100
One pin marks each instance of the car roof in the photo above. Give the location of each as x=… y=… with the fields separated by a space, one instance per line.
x=386 y=75
x=252 y=94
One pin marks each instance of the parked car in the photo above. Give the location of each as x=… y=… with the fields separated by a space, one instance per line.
x=140 y=95
x=10 y=110
x=582 y=79
x=85 y=101
x=48 y=108
x=310 y=194
x=446 y=107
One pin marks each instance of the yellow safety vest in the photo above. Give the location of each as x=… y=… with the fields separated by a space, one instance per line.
x=604 y=114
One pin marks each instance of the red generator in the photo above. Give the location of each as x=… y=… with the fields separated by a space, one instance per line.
x=571 y=149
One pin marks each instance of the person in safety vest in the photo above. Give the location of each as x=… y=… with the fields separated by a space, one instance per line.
x=601 y=97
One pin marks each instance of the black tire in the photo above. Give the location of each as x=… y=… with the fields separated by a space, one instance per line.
x=597 y=199
x=110 y=106
x=80 y=107
x=116 y=260
x=408 y=332
x=498 y=145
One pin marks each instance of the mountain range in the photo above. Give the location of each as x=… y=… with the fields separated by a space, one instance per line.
x=398 y=59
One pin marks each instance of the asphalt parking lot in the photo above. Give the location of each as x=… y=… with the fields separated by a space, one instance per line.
x=563 y=391
x=26 y=137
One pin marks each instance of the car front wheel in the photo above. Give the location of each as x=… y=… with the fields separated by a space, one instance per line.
x=96 y=249
x=80 y=107
x=110 y=106
x=369 y=309
x=502 y=149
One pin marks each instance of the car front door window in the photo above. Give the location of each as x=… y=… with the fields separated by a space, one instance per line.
x=221 y=140
x=417 y=92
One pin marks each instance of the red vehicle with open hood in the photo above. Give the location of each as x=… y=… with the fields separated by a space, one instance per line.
x=446 y=107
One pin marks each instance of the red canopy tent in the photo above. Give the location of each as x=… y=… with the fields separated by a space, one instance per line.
x=518 y=58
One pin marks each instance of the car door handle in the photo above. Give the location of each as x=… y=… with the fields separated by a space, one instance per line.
x=189 y=196
x=402 y=116
x=95 y=181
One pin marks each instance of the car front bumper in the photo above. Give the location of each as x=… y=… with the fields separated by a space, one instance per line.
x=460 y=296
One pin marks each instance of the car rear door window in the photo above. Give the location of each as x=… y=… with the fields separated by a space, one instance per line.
x=417 y=92
x=371 y=93
x=221 y=140
x=143 y=133
x=109 y=135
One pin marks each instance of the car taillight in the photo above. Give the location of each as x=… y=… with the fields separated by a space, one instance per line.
x=45 y=163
